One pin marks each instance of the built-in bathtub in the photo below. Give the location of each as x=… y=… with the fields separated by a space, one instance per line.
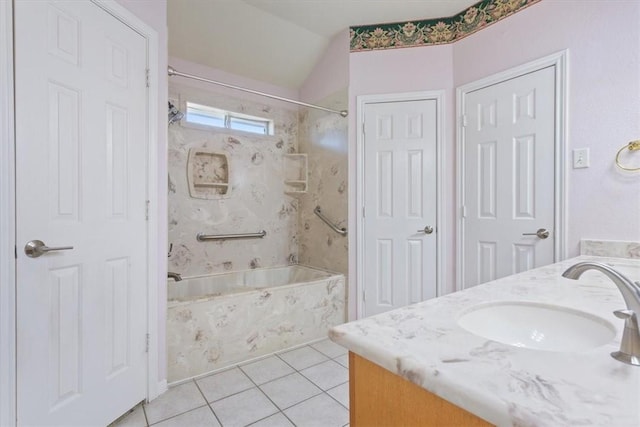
x=219 y=320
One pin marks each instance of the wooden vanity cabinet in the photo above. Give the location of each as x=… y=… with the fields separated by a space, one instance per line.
x=381 y=398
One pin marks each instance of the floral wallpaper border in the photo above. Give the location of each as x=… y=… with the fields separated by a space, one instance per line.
x=434 y=31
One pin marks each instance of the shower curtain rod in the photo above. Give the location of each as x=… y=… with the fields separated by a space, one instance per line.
x=173 y=72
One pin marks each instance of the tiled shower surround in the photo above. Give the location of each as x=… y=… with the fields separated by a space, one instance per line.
x=324 y=137
x=256 y=199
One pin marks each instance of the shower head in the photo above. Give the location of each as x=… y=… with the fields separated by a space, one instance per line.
x=175 y=115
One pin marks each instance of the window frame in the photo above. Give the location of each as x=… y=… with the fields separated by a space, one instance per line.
x=227 y=118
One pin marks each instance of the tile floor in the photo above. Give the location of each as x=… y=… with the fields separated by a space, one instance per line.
x=308 y=386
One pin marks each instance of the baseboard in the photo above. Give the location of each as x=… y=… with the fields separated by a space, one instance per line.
x=160 y=389
x=243 y=362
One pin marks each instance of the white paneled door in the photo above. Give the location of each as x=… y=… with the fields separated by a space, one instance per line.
x=399 y=204
x=81 y=183
x=509 y=146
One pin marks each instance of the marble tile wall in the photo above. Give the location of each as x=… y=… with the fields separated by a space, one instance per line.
x=256 y=199
x=206 y=335
x=203 y=336
x=324 y=137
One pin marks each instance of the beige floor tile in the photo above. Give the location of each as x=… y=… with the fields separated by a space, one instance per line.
x=343 y=360
x=289 y=390
x=341 y=394
x=243 y=408
x=319 y=411
x=223 y=384
x=303 y=357
x=201 y=417
x=329 y=348
x=276 y=420
x=266 y=370
x=175 y=401
x=327 y=375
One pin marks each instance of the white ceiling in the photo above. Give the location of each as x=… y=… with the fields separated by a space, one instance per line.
x=280 y=41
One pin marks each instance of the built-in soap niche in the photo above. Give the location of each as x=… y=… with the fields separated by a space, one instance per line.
x=295 y=173
x=208 y=174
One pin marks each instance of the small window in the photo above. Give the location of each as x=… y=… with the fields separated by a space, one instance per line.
x=208 y=116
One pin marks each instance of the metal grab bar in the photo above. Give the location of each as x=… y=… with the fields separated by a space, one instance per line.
x=201 y=237
x=341 y=231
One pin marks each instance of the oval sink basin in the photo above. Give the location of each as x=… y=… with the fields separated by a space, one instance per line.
x=537 y=326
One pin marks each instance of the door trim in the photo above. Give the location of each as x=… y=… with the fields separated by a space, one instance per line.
x=155 y=385
x=441 y=245
x=559 y=60
x=7 y=222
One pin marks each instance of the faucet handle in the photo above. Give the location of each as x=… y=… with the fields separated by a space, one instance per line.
x=625 y=314
x=630 y=344
x=630 y=318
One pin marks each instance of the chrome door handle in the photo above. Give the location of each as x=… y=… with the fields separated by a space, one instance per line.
x=427 y=230
x=36 y=248
x=542 y=233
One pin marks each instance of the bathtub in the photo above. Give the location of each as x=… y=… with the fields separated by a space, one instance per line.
x=223 y=319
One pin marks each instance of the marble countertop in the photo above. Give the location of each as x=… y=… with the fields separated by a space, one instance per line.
x=502 y=384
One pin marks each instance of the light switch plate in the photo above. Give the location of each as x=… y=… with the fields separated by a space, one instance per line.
x=581 y=158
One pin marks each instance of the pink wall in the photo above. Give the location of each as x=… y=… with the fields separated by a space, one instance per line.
x=396 y=71
x=603 y=39
x=331 y=73
x=401 y=70
x=604 y=105
x=154 y=14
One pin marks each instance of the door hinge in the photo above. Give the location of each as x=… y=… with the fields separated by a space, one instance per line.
x=147 y=77
x=463 y=211
x=146 y=212
x=146 y=347
x=15 y=252
x=363 y=128
x=463 y=119
x=364 y=296
x=363 y=212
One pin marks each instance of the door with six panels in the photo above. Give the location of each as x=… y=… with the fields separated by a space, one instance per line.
x=399 y=204
x=81 y=114
x=509 y=177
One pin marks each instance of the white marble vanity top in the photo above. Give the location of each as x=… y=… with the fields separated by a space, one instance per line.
x=502 y=384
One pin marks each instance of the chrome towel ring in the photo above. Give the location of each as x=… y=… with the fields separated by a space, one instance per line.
x=632 y=146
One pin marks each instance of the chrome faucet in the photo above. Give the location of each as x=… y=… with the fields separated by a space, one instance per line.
x=175 y=276
x=630 y=344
